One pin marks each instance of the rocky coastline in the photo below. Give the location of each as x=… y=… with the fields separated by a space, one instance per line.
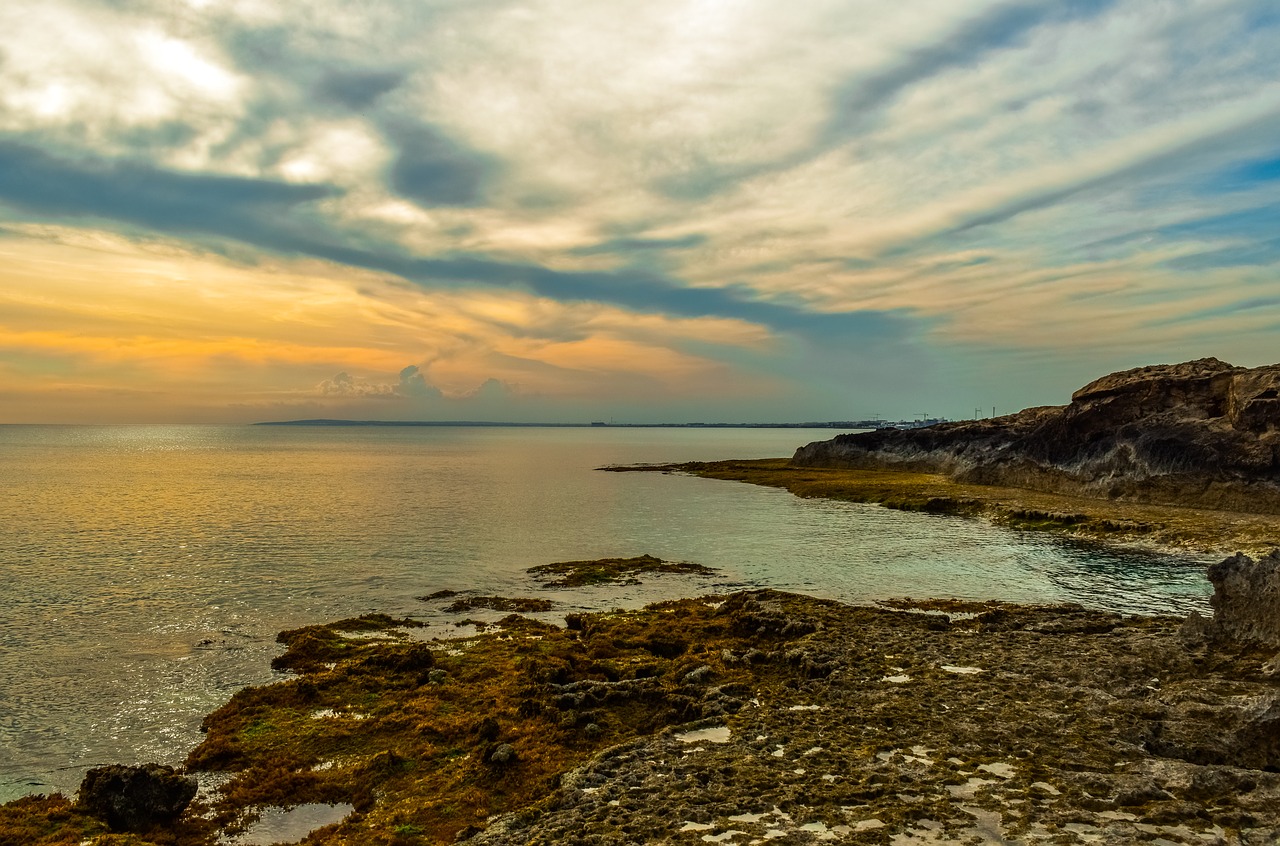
x=1172 y=528
x=761 y=716
x=749 y=718
x=1198 y=434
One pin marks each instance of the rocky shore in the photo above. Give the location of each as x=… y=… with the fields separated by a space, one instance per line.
x=1198 y=434
x=749 y=718
x=760 y=716
x=1165 y=527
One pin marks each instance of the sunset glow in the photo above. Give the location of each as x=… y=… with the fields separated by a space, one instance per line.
x=684 y=210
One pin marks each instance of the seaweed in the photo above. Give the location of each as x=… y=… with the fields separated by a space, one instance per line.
x=612 y=570
x=500 y=603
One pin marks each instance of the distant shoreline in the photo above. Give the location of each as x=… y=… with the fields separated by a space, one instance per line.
x=833 y=424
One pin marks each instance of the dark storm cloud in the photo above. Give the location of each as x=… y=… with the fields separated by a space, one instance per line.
x=645 y=291
x=429 y=166
x=641 y=245
x=303 y=68
x=273 y=216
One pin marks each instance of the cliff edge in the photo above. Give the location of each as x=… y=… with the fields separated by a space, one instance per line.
x=1202 y=433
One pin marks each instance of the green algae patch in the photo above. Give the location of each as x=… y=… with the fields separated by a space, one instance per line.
x=58 y=821
x=428 y=741
x=41 y=820
x=625 y=571
x=1164 y=526
x=522 y=605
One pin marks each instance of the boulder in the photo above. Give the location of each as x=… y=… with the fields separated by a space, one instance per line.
x=504 y=754
x=1246 y=600
x=1203 y=433
x=135 y=798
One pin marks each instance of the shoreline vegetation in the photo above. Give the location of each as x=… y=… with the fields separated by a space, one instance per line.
x=752 y=717
x=1196 y=530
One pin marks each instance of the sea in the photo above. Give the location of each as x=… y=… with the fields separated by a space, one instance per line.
x=146 y=570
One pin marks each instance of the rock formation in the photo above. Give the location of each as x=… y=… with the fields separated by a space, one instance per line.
x=1246 y=600
x=135 y=798
x=1201 y=433
x=1246 y=609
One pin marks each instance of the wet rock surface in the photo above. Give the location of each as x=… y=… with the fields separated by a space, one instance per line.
x=500 y=603
x=1203 y=433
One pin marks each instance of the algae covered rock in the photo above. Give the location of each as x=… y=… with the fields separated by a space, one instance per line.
x=135 y=798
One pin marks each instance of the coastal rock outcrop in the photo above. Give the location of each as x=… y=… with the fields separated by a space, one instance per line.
x=135 y=798
x=1246 y=600
x=1202 y=433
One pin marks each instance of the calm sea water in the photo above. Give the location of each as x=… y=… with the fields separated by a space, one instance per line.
x=144 y=571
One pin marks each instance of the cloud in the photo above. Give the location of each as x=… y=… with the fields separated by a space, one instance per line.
x=413 y=385
x=857 y=102
x=541 y=182
x=417 y=397
x=357 y=88
x=343 y=385
x=254 y=211
x=641 y=246
x=268 y=214
x=434 y=170
x=490 y=391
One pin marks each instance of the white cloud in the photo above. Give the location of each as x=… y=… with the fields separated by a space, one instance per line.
x=104 y=74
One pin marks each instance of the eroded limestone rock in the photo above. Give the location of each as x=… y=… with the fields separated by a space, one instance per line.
x=1246 y=600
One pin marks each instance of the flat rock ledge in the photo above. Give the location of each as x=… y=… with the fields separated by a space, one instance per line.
x=757 y=717
x=995 y=725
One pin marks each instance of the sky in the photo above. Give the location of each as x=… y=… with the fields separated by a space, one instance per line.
x=670 y=211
